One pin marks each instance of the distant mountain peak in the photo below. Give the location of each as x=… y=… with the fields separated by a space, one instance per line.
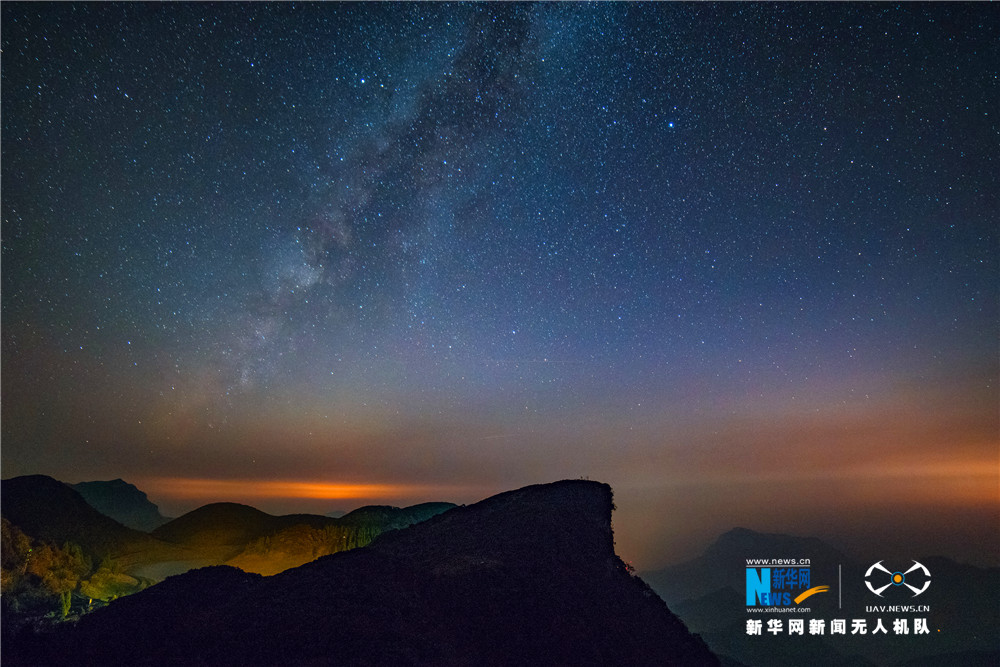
x=123 y=502
x=48 y=509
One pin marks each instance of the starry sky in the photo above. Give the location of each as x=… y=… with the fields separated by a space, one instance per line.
x=739 y=261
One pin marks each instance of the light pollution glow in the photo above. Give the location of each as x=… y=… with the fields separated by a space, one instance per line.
x=248 y=490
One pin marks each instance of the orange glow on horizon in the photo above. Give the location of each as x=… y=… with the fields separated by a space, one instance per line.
x=187 y=488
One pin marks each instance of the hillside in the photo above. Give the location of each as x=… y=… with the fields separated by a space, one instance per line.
x=49 y=510
x=123 y=502
x=394 y=517
x=61 y=556
x=218 y=526
x=526 y=577
x=305 y=537
x=254 y=541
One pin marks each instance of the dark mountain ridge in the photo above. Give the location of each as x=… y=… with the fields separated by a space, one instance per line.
x=245 y=537
x=230 y=524
x=526 y=577
x=394 y=517
x=50 y=510
x=62 y=557
x=123 y=502
x=236 y=524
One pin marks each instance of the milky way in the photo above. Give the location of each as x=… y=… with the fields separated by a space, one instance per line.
x=485 y=245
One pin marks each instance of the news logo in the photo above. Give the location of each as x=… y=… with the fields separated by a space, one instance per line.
x=779 y=586
x=917 y=574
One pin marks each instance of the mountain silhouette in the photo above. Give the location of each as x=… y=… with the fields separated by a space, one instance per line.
x=305 y=538
x=391 y=517
x=53 y=512
x=123 y=502
x=62 y=557
x=254 y=541
x=49 y=510
x=525 y=577
x=227 y=527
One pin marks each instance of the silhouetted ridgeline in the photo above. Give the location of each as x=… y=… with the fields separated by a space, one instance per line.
x=60 y=554
x=62 y=557
x=525 y=577
x=123 y=502
x=47 y=509
x=245 y=537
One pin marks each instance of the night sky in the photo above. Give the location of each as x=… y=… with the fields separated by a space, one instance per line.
x=739 y=261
